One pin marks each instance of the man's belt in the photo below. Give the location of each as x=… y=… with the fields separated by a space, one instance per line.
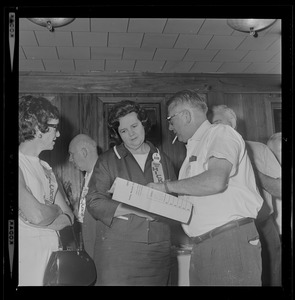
x=218 y=230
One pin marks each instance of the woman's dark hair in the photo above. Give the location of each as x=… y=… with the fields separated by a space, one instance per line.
x=34 y=111
x=122 y=109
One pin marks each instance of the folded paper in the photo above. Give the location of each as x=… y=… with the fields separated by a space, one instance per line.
x=151 y=200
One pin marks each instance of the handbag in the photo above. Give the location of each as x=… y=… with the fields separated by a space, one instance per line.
x=70 y=267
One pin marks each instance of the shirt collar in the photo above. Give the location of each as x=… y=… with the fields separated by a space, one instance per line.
x=200 y=131
x=123 y=151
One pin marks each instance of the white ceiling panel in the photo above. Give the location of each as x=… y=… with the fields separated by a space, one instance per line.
x=146 y=25
x=250 y=43
x=276 y=70
x=109 y=25
x=73 y=52
x=154 y=40
x=200 y=55
x=21 y=53
x=96 y=39
x=106 y=53
x=125 y=39
x=40 y=52
x=216 y=27
x=230 y=55
x=27 y=38
x=170 y=54
x=258 y=56
x=190 y=26
x=276 y=58
x=47 y=38
x=225 y=42
x=192 y=41
x=139 y=53
x=148 y=45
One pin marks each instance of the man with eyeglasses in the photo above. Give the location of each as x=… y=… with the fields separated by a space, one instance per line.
x=217 y=177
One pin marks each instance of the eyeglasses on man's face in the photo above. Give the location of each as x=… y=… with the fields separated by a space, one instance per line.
x=171 y=117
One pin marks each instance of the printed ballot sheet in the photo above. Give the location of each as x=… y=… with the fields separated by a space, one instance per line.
x=151 y=200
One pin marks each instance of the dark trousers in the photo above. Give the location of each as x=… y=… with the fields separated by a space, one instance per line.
x=271 y=252
x=231 y=258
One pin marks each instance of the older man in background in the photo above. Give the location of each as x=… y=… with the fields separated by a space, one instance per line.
x=83 y=155
x=275 y=145
x=268 y=179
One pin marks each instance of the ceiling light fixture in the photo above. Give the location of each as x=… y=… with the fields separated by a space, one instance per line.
x=250 y=25
x=51 y=23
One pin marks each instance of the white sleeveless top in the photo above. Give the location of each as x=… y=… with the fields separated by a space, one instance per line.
x=36 y=244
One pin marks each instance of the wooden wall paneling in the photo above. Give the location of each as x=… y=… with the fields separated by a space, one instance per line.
x=247 y=83
x=249 y=122
x=261 y=116
x=91 y=117
x=235 y=102
x=214 y=98
x=100 y=139
x=111 y=82
x=70 y=126
x=250 y=103
x=271 y=102
x=146 y=83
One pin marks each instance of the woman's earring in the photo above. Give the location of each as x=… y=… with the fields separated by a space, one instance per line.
x=39 y=135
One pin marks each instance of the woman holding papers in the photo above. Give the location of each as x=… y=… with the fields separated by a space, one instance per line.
x=134 y=247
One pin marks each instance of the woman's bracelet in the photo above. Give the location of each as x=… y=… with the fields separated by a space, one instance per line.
x=166 y=187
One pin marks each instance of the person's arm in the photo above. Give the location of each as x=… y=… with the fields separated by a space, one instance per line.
x=212 y=181
x=270 y=184
x=67 y=216
x=99 y=201
x=32 y=210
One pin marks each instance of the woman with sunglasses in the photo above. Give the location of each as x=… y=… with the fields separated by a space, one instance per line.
x=42 y=208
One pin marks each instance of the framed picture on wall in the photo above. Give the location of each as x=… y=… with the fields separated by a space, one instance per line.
x=273 y=105
x=276 y=109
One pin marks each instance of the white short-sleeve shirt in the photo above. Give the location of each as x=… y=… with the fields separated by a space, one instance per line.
x=266 y=162
x=240 y=199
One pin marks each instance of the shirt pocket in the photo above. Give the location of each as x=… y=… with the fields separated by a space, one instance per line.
x=196 y=167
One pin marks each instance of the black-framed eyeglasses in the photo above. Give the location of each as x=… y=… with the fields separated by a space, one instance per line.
x=55 y=126
x=171 y=117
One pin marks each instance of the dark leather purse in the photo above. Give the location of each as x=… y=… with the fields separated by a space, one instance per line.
x=70 y=267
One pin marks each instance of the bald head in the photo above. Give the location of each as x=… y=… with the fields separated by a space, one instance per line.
x=82 y=139
x=83 y=152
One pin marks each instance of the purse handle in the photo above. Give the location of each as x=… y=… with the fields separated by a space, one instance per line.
x=79 y=247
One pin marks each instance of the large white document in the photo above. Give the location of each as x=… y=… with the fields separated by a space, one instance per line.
x=151 y=200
